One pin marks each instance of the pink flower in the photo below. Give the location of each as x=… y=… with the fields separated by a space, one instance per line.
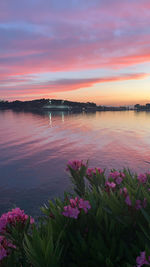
x=99 y=170
x=125 y=190
x=138 y=204
x=118 y=180
x=141 y=260
x=32 y=220
x=75 y=165
x=122 y=175
x=12 y=217
x=71 y=212
x=114 y=175
x=5 y=246
x=128 y=201
x=73 y=202
x=75 y=207
x=3 y=252
x=84 y=204
x=91 y=171
x=111 y=185
x=142 y=178
x=3 y=222
x=117 y=177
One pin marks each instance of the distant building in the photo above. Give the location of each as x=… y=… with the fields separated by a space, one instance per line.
x=148 y=106
x=56 y=107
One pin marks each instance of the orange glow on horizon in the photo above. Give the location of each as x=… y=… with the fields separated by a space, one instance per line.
x=95 y=51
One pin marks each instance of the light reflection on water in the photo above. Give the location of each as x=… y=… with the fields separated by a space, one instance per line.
x=34 y=149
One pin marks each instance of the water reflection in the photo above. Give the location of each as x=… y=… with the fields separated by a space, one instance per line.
x=36 y=146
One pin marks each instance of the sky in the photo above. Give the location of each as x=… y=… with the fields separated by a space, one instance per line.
x=79 y=50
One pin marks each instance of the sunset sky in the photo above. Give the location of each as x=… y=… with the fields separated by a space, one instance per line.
x=81 y=50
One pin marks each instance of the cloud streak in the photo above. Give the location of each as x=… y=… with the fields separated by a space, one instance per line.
x=62 y=85
x=61 y=36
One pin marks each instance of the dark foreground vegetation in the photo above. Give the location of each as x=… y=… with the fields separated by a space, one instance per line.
x=105 y=222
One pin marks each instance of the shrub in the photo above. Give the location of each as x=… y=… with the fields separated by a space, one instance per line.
x=105 y=222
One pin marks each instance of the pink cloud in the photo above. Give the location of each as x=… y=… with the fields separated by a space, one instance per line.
x=66 y=36
x=64 y=85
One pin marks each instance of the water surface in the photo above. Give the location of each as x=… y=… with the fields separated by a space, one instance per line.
x=34 y=149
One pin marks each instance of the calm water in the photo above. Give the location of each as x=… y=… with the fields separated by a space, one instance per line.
x=34 y=149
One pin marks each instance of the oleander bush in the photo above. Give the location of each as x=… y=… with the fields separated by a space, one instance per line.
x=104 y=222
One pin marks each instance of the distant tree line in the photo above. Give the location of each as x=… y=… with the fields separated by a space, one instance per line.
x=72 y=103
x=23 y=104
x=142 y=107
x=36 y=105
x=39 y=103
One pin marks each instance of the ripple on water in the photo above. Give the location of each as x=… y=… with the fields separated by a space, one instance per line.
x=35 y=148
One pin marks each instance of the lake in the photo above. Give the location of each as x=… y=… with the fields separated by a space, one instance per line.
x=35 y=147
